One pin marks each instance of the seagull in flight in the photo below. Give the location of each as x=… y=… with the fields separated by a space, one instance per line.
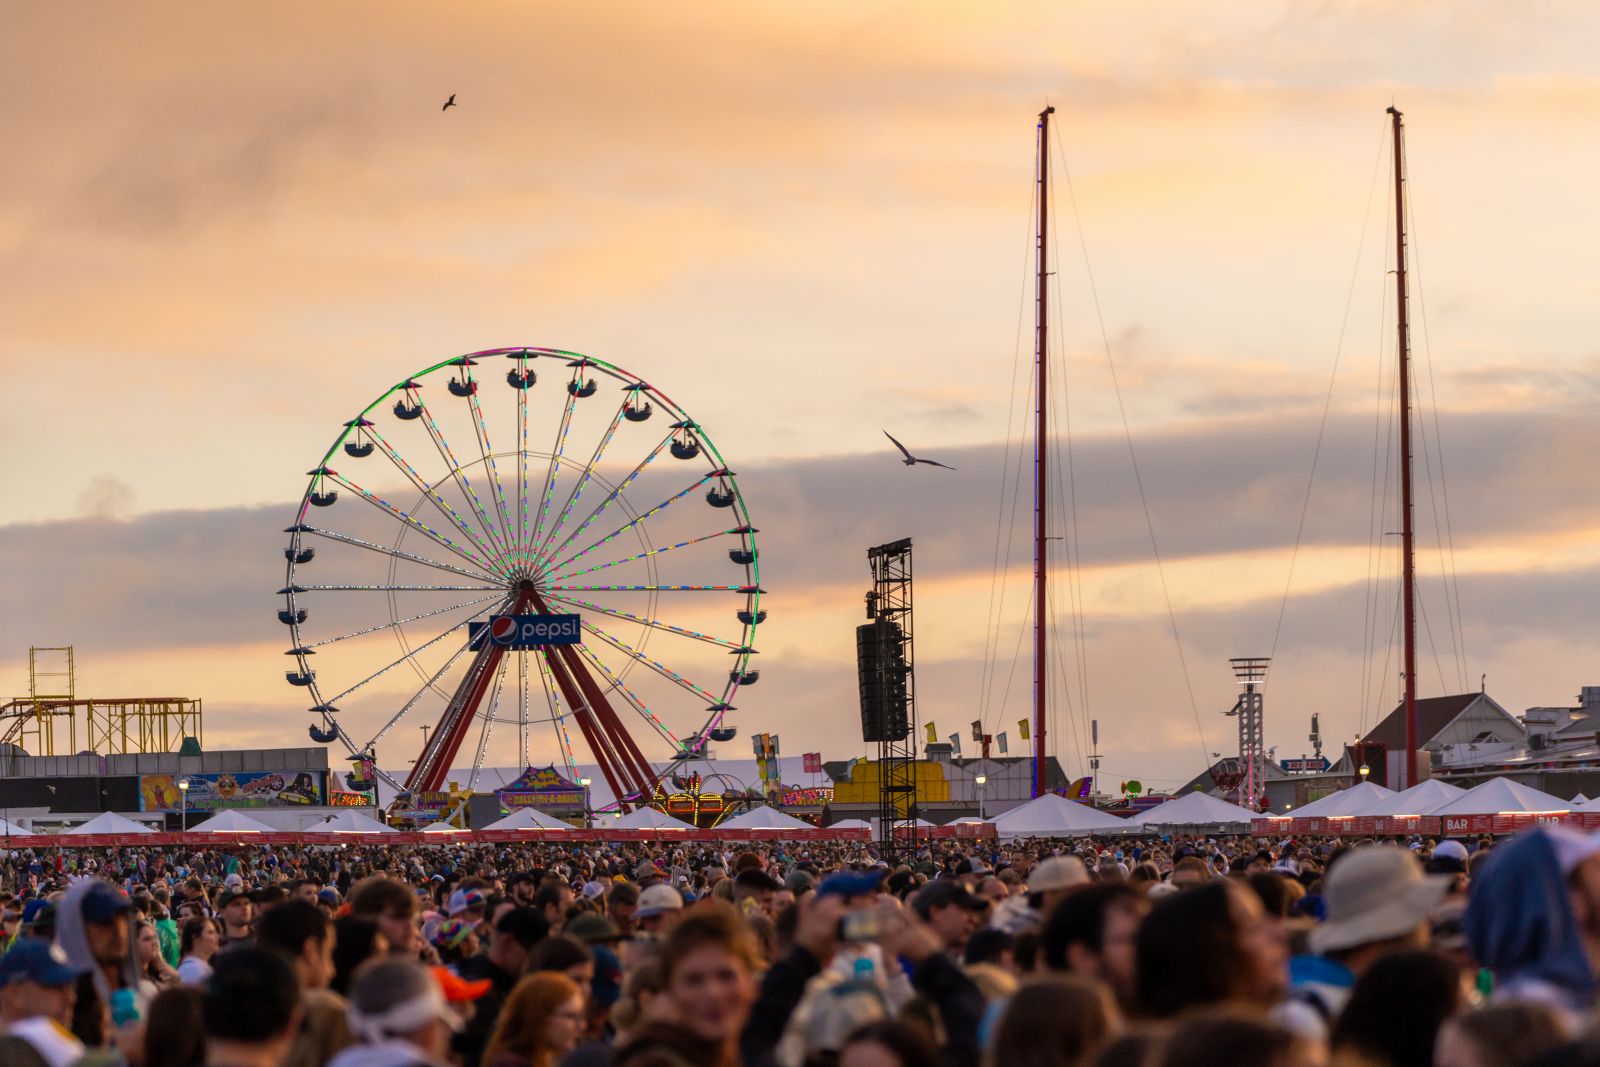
x=911 y=460
x=450 y=103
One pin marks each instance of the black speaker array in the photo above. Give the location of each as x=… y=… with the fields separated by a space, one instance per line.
x=881 y=671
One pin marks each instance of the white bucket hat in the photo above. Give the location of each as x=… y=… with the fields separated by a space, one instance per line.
x=1373 y=894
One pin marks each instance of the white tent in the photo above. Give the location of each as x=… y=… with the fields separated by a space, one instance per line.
x=1579 y=801
x=529 y=819
x=648 y=818
x=1050 y=815
x=1424 y=798
x=1499 y=795
x=12 y=829
x=350 y=822
x=1357 y=800
x=1194 y=809
x=109 y=822
x=764 y=818
x=850 y=824
x=231 y=822
x=441 y=828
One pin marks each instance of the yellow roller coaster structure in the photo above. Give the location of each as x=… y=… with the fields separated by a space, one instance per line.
x=46 y=721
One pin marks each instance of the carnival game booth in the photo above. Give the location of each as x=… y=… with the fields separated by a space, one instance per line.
x=1051 y=815
x=1193 y=813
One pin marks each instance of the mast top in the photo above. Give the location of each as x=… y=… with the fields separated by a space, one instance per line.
x=1392 y=110
x=1050 y=109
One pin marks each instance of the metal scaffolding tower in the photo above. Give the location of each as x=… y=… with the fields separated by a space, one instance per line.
x=888 y=684
x=45 y=722
x=1251 y=671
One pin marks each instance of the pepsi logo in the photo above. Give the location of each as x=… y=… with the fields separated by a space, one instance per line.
x=503 y=629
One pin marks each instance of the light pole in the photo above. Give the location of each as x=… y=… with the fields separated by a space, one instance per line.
x=183 y=802
x=585 y=782
x=982 y=781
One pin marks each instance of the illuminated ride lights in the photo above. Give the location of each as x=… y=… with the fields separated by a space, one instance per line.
x=567 y=492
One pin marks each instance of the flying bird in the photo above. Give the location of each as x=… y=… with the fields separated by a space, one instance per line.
x=911 y=460
x=450 y=103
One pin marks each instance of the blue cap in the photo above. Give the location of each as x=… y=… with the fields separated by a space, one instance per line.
x=328 y=895
x=32 y=908
x=41 y=962
x=104 y=902
x=852 y=883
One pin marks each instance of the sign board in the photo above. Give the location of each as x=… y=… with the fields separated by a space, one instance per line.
x=1316 y=765
x=544 y=789
x=239 y=789
x=523 y=632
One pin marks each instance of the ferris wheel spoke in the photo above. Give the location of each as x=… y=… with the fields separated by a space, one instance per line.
x=402 y=622
x=630 y=524
x=369 y=679
x=568 y=575
x=412 y=521
x=630 y=696
x=553 y=471
x=496 y=490
x=611 y=497
x=488 y=722
x=522 y=472
x=431 y=492
x=459 y=475
x=583 y=480
x=333 y=535
x=660 y=668
x=399 y=588
x=552 y=694
x=646 y=588
x=617 y=613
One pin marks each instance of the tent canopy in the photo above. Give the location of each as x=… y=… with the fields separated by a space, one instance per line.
x=11 y=828
x=350 y=822
x=763 y=818
x=1501 y=794
x=850 y=824
x=529 y=819
x=109 y=822
x=648 y=818
x=1357 y=800
x=442 y=828
x=1050 y=815
x=1193 y=809
x=231 y=822
x=1424 y=798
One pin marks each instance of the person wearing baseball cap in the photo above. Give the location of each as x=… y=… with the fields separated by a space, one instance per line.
x=399 y=1011
x=466 y=904
x=37 y=994
x=1378 y=900
x=660 y=907
x=952 y=911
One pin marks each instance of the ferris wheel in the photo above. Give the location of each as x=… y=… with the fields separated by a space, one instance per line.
x=514 y=600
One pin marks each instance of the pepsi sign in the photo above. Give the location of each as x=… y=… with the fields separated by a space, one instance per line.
x=523 y=632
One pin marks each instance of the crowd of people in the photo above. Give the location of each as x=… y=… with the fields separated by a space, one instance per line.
x=1179 y=952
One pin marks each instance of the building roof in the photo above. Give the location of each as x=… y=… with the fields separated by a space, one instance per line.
x=1434 y=716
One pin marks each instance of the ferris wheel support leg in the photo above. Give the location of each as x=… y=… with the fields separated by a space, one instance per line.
x=589 y=723
x=635 y=766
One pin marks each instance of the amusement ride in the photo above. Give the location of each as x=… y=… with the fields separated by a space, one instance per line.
x=436 y=543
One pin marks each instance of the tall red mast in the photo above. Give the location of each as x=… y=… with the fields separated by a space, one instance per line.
x=1407 y=547
x=1040 y=464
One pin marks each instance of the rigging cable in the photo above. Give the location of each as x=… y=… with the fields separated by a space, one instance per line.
x=1133 y=459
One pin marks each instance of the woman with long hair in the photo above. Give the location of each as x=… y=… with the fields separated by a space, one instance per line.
x=1210 y=945
x=1059 y=1021
x=540 y=1022
x=198 y=941
x=154 y=972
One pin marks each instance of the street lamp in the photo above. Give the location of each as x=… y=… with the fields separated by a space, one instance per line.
x=1365 y=770
x=585 y=782
x=183 y=802
x=982 y=781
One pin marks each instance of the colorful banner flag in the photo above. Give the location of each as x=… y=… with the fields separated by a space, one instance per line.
x=1022 y=729
x=811 y=762
x=955 y=743
x=1003 y=749
x=933 y=734
x=977 y=730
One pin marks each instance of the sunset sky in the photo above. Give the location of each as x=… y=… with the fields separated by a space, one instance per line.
x=226 y=228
